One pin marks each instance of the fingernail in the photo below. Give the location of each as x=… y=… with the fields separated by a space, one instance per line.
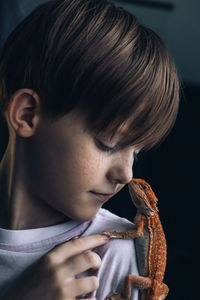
x=105 y=237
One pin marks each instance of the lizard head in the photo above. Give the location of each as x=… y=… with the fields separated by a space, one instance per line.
x=143 y=197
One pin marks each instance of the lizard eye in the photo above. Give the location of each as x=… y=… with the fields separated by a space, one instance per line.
x=145 y=187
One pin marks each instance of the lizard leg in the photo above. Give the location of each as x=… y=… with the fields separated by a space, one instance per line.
x=129 y=234
x=160 y=290
x=139 y=282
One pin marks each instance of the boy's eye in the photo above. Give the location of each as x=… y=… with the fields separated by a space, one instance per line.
x=109 y=149
x=104 y=147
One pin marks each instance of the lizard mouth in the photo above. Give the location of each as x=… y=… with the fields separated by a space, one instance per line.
x=140 y=200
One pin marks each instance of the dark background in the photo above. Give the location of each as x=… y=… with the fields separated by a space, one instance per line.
x=173 y=172
x=172 y=168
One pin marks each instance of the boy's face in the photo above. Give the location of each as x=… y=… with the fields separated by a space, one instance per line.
x=69 y=169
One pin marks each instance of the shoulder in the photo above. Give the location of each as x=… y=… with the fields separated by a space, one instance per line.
x=108 y=221
x=118 y=249
x=118 y=256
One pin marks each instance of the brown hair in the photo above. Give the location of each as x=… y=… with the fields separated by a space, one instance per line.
x=96 y=56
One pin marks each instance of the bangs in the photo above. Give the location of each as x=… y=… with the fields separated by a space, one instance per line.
x=140 y=92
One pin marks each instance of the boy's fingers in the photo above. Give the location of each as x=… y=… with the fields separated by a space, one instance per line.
x=76 y=246
x=82 y=286
x=80 y=263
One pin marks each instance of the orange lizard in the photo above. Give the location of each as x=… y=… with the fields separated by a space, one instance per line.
x=150 y=243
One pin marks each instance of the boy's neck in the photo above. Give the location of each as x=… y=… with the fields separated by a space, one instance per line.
x=16 y=203
x=4 y=189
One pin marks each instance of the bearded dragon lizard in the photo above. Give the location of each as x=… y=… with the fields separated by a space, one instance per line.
x=150 y=243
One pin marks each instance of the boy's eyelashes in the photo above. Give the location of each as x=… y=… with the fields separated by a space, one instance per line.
x=102 y=146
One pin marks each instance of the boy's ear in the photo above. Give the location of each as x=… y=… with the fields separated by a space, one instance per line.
x=23 y=112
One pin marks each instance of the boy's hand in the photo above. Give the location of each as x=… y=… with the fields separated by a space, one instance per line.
x=53 y=276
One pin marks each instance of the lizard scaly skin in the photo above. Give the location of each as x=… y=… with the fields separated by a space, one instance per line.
x=150 y=242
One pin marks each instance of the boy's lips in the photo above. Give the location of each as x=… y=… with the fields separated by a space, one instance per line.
x=102 y=196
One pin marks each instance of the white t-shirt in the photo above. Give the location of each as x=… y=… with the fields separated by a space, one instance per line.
x=21 y=248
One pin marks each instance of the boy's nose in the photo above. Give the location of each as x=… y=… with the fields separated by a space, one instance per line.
x=121 y=171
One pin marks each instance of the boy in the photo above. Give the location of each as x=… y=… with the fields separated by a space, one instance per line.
x=83 y=87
